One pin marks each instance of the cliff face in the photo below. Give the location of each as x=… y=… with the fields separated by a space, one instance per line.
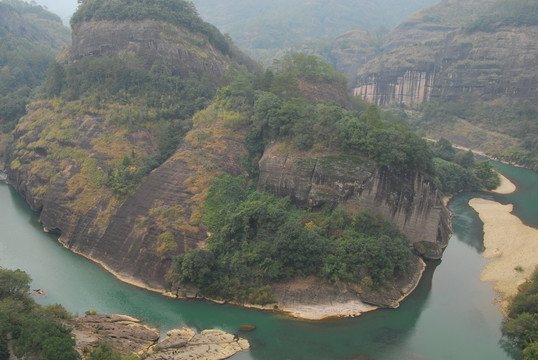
x=432 y=56
x=479 y=65
x=156 y=42
x=135 y=239
x=406 y=198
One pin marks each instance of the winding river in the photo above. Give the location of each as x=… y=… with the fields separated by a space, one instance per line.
x=451 y=314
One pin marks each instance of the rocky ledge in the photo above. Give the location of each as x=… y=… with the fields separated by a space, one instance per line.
x=128 y=335
x=312 y=299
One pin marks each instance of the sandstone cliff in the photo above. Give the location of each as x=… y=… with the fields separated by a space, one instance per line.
x=182 y=51
x=406 y=198
x=137 y=238
x=432 y=55
x=479 y=65
x=66 y=152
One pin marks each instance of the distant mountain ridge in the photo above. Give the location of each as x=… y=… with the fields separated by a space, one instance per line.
x=262 y=28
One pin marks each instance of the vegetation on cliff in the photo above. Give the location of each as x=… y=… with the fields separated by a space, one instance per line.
x=128 y=99
x=521 y=327
x=283 y=114
x=258 y=239
x=506 y=12
x=26 y=50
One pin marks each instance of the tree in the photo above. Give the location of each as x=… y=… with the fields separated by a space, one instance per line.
x=55 y=79
x=444 y=150
x=488 y=177
x=14 y=283
x=465 y=159
x=103 y=352
x=59 y=348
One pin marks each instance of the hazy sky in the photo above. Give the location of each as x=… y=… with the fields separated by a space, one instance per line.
x=64 y=8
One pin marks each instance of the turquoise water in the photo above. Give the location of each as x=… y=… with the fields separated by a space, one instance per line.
x=449 y=316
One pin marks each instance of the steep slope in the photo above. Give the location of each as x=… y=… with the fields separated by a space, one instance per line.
x=115 y=112
x=406 y=198
x=29 y=38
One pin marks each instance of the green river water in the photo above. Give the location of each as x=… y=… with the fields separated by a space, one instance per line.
x=450 y=315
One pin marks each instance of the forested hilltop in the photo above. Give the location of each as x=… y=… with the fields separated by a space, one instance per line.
x=30 y=36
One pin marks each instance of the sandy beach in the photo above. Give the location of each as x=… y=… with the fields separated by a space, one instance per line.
x=511 y=245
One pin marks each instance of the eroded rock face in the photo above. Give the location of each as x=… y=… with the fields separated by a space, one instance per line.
x=479 y=65
x=129 y=336
x=135 y=239
x=403 y=197
x=125 y=334
x=207 y=345
x=314 y=299
x=156 y=42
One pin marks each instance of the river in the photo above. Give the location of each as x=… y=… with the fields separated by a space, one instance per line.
x=451 y=314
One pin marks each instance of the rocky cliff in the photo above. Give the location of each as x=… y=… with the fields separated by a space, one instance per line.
x=155 y=42
x=406 y=198
x=476 y=57
x=135 y=239
x=477 y=65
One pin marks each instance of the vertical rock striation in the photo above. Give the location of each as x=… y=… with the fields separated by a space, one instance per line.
x=407 y=198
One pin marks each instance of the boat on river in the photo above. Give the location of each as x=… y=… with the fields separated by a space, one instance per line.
x=3 y=176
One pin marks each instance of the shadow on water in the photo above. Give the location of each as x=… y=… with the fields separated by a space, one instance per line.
x=525 y=198
x=466 y=222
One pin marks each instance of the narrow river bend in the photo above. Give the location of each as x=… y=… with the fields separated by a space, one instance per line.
x=451 y=314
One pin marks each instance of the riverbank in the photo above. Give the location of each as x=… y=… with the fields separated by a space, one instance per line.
x=511 y=245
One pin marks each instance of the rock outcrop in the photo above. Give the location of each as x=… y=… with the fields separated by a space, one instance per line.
x=156 y=42
x=207 y=345
x=403 y=197
x=129 y=336
x=433 y=56
x=314 y=299
x=126 y=238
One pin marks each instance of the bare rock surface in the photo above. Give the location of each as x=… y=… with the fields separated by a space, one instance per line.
x=313 y=299
x=128 y=335
x=207 y=345
x=125 y=334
